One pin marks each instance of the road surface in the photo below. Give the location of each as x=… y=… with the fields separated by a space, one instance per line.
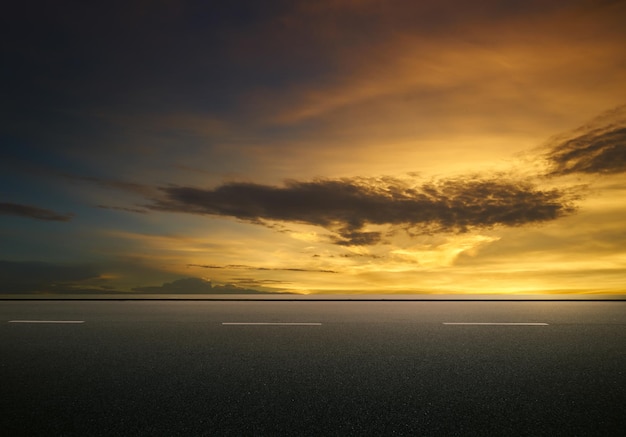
x=188 y=368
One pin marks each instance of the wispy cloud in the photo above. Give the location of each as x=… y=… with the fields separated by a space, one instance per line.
x=252 y=282
x=347 y=206
x=115 y=184
x=33 y=212
x=122 y=208
x=245 y=267
x=598 y=147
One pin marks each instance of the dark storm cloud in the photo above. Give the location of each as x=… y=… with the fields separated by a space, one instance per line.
x=596 y=148
x=346 y=206
x=33 y=212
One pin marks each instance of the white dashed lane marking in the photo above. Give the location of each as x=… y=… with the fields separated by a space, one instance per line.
x=47 y=321
x=497 y=323
x=272 y=323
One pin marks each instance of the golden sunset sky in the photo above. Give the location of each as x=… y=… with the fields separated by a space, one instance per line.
x=338 y=146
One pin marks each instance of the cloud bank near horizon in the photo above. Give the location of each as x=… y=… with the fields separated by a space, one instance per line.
x=196 y=286
x=36 y=277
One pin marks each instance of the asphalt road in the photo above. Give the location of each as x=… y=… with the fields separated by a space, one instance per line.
x=312 y=368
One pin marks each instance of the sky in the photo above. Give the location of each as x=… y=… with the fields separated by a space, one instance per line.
x=340 y=146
